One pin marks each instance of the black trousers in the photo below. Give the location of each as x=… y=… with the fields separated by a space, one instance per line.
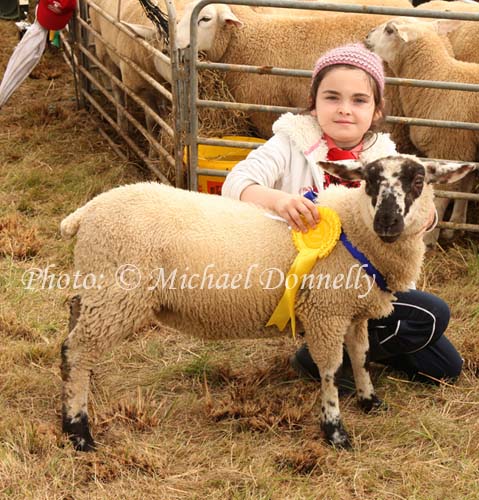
x=412 y=338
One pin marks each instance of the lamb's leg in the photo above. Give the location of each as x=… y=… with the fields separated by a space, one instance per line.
x=325 y=341
x=430 y=239
x=357 y=344
x=119 y=96
x=459 y=211
x=74 y=413
x=96 y=325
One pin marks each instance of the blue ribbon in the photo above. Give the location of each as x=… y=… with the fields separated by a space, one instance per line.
x=358 y=255
x=311 y=195
x=368 y=267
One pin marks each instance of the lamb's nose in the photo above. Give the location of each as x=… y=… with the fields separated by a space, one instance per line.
x=388 y=220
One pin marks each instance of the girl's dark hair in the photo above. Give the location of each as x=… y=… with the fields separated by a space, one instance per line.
x=378 y=98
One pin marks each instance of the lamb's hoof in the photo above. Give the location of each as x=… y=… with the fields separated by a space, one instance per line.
x=372 y=404
x=83 y=444
x=336 y=435
x=79 y=432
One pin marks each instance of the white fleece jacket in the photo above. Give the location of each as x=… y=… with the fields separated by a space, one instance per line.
x=288 y=160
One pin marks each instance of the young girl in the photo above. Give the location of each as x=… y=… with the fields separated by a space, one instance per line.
x=346 y=103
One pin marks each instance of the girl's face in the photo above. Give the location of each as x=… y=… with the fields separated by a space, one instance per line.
x=345 y=106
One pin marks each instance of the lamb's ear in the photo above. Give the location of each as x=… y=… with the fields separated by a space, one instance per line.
x=228 y=17
x=445 y=26
x=348 y=170
x=404 y=31
x=445 y=173
x=145 y=32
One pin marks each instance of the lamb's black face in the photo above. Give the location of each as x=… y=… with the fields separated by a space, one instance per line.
x=393 y=184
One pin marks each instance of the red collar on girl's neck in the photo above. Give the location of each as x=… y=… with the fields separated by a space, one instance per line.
x=332 y=145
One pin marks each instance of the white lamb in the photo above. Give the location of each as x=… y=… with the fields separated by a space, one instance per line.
x=237 y=35
x=132 y=15
x=199 y=263
x=415 y=49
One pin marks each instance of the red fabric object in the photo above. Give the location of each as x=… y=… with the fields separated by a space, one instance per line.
x=49 y=19
x=335 y=154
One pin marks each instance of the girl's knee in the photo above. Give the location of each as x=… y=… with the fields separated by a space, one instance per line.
x=442 y=314
x=454 y=368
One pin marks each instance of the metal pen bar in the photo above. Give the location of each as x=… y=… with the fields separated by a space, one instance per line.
x=127 y=139
x=302 y=73
x=351 y=8
x=151 y=81
x=146 y=108
x=124 y=29
x=420 y=122
x=133 y=120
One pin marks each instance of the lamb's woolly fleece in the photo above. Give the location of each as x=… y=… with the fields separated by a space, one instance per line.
x=464 y=39
x=427 y=58
x=153 y=226
x=464 y=42
x=132 y=12
x=283 y=36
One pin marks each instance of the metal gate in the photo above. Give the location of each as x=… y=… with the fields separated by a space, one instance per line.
x=182 y=91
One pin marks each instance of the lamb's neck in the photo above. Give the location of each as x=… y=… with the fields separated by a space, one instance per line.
x=410 y=64
x=220 y=46
x=388 y=258
x=231 y=42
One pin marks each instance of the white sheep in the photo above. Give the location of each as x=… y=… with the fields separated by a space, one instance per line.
x=132 y=15
x=200 y=264
x=464 y=41
x=415 y=49
x=237 y=35
x=464 y=47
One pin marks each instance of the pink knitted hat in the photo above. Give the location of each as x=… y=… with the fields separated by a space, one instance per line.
x=355 y=54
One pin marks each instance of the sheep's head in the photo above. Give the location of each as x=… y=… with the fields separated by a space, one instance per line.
x=398 y=190
x=388 y=39
x=211 y=18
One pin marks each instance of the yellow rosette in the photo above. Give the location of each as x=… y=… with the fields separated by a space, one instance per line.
x=313 y=245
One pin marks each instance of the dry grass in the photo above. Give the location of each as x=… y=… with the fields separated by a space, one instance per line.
x=176 y=417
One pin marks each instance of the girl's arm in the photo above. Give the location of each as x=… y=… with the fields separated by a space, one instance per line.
x=299 y=212
x=255 y=178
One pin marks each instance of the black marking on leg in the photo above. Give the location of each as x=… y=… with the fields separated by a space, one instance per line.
x=78 y=431
x=336 y=434
x=332 y=403
x=65 y=365
x=75 y=305
x=371 y=404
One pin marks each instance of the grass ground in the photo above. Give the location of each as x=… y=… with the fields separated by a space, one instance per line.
x=180 y=418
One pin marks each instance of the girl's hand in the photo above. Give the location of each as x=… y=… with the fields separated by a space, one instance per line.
x=301 y=213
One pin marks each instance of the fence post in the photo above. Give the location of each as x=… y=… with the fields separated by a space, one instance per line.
x=81 y=35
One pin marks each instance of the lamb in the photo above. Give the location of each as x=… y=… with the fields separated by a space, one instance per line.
x=464 y=42
x=414 y=49
x=137 y=240
x=236 y=35
x=132 y=15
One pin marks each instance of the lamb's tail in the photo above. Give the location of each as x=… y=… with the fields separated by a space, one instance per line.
x=69 y=225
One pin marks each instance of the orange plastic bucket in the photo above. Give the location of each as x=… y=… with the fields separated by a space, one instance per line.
x=220 y=158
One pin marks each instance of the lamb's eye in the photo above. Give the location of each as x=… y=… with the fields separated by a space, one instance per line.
x=418 y=183
x=389 y=30
x=204 y=19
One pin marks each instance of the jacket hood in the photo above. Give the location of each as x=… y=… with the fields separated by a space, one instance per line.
x=304 y=131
